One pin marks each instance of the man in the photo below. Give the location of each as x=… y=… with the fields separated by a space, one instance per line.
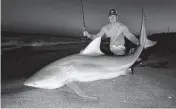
x=115 y=36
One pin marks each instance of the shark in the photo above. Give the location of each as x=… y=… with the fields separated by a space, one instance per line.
x=87 y=66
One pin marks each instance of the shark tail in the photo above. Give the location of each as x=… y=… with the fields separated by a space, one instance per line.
x=142 y=39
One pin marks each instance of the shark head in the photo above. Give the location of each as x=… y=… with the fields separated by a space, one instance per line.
x=51 y=76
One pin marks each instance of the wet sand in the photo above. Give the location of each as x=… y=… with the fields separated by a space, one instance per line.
x=152 y=87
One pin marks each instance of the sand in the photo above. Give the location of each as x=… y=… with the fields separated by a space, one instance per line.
x=149 y=87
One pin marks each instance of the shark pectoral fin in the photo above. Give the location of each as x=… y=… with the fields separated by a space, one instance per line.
x=79 y=92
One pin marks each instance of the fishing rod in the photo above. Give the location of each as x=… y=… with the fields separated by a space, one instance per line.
x=84 y=25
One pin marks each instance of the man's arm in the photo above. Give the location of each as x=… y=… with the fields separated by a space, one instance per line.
x=100 y=34
x=129 y=35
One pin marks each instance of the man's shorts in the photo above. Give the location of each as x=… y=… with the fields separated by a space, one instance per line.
x=105 y=47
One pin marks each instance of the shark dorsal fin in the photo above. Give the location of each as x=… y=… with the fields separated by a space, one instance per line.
x=93 y=49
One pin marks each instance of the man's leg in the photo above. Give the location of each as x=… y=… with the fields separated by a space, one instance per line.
x=105 y=46
x=119 y=52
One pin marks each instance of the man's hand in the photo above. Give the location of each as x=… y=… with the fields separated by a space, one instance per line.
x=138 y=44
x=85 y=33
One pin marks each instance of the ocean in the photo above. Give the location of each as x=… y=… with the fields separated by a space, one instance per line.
x=22 y=56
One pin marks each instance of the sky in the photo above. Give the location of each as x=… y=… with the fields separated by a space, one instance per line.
x=64 y=17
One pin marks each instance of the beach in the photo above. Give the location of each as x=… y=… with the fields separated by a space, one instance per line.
x=35 y=35
x=151 y=86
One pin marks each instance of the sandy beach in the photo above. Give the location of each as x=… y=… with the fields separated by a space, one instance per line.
x=151 y=86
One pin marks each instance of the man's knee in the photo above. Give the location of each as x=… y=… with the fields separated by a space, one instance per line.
x=119 y=52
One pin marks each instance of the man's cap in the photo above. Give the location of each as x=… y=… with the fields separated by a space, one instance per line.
x=112 y=12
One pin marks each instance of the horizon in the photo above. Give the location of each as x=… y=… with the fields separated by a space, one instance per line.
x=55 y=35
x=54 y=16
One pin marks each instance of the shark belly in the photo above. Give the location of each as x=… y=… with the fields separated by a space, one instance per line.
x=90 y=72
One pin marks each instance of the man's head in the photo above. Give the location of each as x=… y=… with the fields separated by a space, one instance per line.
x=112 y=15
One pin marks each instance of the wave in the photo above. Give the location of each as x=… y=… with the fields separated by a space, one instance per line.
x=14 y=44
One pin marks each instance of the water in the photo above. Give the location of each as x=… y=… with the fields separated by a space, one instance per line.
x=25 y=61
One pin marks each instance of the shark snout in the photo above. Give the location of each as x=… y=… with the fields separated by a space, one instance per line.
x=28 y=83
x=36 y=84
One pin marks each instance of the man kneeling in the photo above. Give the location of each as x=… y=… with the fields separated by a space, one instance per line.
x=115 y=32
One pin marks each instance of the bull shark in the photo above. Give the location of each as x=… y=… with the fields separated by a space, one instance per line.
x=86 y=66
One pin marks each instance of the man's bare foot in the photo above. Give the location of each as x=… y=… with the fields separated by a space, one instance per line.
x=139 y=59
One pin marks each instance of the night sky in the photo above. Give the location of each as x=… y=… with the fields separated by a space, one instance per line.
x=63 y=17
